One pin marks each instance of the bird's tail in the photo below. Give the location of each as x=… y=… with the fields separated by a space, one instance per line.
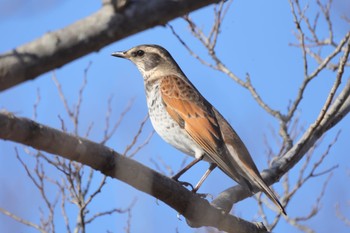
x=252 y=179
x=250 y=176
x=271 y=195
x=237 y=163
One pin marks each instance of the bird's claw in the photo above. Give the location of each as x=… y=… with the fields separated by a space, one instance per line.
x=194 y=190
x=186 y=184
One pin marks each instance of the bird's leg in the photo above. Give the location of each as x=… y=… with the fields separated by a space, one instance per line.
x=180 y=173
x=204 y=177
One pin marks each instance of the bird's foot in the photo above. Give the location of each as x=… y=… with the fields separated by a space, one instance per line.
x=186 y=184
x=193 y=189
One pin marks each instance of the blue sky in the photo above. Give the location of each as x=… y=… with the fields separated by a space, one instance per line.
x=255 y=39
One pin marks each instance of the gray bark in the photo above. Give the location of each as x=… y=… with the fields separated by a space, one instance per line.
x=198 y=211
x=111 y=23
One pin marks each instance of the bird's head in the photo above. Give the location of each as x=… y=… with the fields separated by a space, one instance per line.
x=150 y=59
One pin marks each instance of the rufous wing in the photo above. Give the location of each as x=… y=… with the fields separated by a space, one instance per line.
x=194 y=114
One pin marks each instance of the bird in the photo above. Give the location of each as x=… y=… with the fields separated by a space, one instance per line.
x=186 y=120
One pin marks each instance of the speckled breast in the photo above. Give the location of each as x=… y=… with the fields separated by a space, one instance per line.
x=164 y=125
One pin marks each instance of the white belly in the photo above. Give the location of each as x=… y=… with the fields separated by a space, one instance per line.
x=169 y=129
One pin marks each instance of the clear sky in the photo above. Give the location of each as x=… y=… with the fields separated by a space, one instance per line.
x=255 y=39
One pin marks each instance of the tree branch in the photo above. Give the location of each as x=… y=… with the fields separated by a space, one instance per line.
x=23 y=221
x=283 y=164
x=111 y=23
x=196 y=210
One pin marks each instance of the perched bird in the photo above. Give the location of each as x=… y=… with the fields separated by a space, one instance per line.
x=187 y=121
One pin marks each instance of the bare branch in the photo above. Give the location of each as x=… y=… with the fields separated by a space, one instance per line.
x=107 y=25
x=75 y=111
x=315 y=73
x=326 y=118
x=248 y=85
x=142 y=145
x=192 y=53
x=301 y=34
x=23 y=221
x=108 y=132
x=97 y=191
x=281 y=165
x=38 y=176
x=63 y=205
x=197 y=210
x=109 y=212
x=36 y=104
x=341 y=216
x=296 y=221
x=80 y=99
x=336 y=113
x=128 y=223
x=137 y=135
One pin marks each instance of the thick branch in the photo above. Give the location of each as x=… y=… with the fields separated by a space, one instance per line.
x=283 y=164
x=197 y=210
x=109 y=24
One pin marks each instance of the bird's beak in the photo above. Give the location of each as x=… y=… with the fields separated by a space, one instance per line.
x=121 y=54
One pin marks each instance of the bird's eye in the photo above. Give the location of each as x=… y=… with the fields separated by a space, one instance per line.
x=140 y=53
